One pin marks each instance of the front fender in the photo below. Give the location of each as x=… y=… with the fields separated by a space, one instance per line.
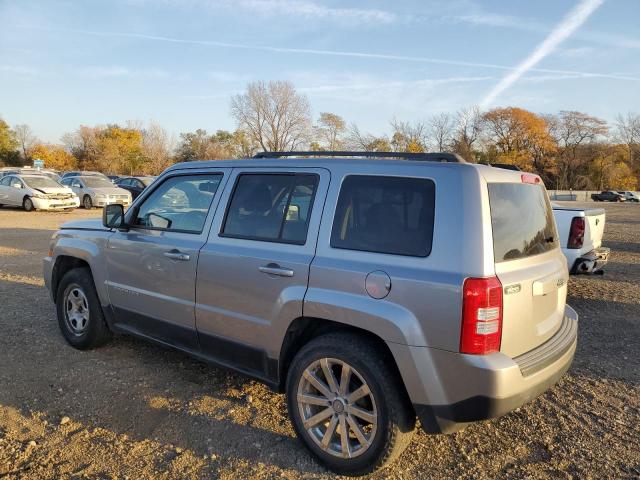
x=89 y=251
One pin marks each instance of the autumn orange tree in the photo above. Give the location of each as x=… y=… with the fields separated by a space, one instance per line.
x=519 y=137
x=55 y=157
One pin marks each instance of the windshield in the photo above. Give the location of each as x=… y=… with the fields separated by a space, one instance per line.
x=522 y=221
x=41 y=182
x=97 y=182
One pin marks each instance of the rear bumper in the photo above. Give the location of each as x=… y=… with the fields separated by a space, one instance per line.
x=591 y=262
x=457 y=389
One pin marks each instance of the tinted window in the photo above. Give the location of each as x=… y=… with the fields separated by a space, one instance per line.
x=179 y=203
x=385 y=215
x=126 y=181
x=271 y=207
x=522 y=221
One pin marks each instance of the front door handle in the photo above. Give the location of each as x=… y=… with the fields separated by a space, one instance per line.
x=275 y=269
x=177 y=255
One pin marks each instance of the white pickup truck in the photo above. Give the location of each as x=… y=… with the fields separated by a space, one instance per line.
x=581 y=231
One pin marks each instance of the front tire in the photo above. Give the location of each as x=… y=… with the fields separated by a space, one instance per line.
x=27 y=204
x=87 y=202
x=80 y=316
x=347 y=405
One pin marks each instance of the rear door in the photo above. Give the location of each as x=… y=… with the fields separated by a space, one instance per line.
x=253 y=271
x=529 y=264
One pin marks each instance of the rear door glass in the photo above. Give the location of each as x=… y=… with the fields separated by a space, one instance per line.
x=522 y=221
x=385 y=215
x=271 y=207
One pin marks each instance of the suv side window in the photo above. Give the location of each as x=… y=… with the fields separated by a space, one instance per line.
x=180 y=203
x=271 y=207
x=385 y=215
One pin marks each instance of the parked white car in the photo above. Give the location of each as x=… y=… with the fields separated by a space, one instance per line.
x=97 y=191
x=580 y=232
x=629 y=196
x=36 y=192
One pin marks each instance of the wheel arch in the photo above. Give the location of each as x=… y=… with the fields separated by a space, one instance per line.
x=304 y=329
x=64 y=264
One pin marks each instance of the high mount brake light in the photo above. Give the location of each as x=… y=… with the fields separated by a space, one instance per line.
x=576 y=233
x=530 y=178
x=481 y=331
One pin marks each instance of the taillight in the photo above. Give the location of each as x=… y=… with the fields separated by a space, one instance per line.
x=576 y=233
x=481 y=316
x=530 y=178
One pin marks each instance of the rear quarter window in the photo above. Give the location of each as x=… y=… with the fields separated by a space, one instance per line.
x=379 y=214
x=521 y=220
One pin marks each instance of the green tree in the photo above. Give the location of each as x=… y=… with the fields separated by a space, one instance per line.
x=9 y=154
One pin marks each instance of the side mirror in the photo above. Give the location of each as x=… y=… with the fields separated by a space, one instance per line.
x=113 y=216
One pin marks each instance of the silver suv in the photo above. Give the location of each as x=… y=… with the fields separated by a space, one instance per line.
x=372 y=291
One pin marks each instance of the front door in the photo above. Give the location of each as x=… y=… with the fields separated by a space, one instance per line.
x=254 y=269
x=152 y=267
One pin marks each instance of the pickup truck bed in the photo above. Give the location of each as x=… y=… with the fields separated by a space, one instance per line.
x=584 y=253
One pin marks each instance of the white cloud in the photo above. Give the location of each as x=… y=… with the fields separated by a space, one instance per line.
x=572 y=21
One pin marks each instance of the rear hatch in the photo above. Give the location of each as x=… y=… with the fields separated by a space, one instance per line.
x=528 y=263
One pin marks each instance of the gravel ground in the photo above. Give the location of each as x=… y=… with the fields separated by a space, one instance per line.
x=134 y=410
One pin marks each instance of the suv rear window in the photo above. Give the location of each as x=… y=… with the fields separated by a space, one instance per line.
x=385 y=215
x=522 y=221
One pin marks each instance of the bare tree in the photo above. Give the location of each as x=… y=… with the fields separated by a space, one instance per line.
x=26 y=139
x=467 y=131
x=441 y=128
x=573 y=131
x=156 y=148
x=273 y=114
x=330 y=131
x=627 y=131
x=360 y=141
x=409 y=137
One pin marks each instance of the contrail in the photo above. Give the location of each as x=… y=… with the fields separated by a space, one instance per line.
x=574 y=19
x=330 y=53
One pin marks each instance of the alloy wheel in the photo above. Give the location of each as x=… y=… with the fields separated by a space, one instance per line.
x=337 y=408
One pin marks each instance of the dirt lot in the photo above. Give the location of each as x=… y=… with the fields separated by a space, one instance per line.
x=134 y=410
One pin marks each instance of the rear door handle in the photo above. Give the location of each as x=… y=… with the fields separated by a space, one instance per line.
x=176 y=255
x=275 y=269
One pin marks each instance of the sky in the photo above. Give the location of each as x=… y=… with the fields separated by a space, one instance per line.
x=178 y=62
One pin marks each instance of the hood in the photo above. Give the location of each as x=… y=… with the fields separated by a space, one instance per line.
x=93 y=224
x=110 y=191
x=50 y=190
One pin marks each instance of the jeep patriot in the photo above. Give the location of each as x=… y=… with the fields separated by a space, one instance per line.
x=372 y=291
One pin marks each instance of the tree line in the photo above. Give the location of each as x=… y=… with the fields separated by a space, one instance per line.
x=568 y=149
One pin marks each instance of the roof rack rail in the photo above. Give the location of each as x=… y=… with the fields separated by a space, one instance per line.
x=424 y=157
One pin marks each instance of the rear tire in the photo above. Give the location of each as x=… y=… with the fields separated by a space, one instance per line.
x=87 y=202
x=80 y=316
x=27 y=204
x=383 y=416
